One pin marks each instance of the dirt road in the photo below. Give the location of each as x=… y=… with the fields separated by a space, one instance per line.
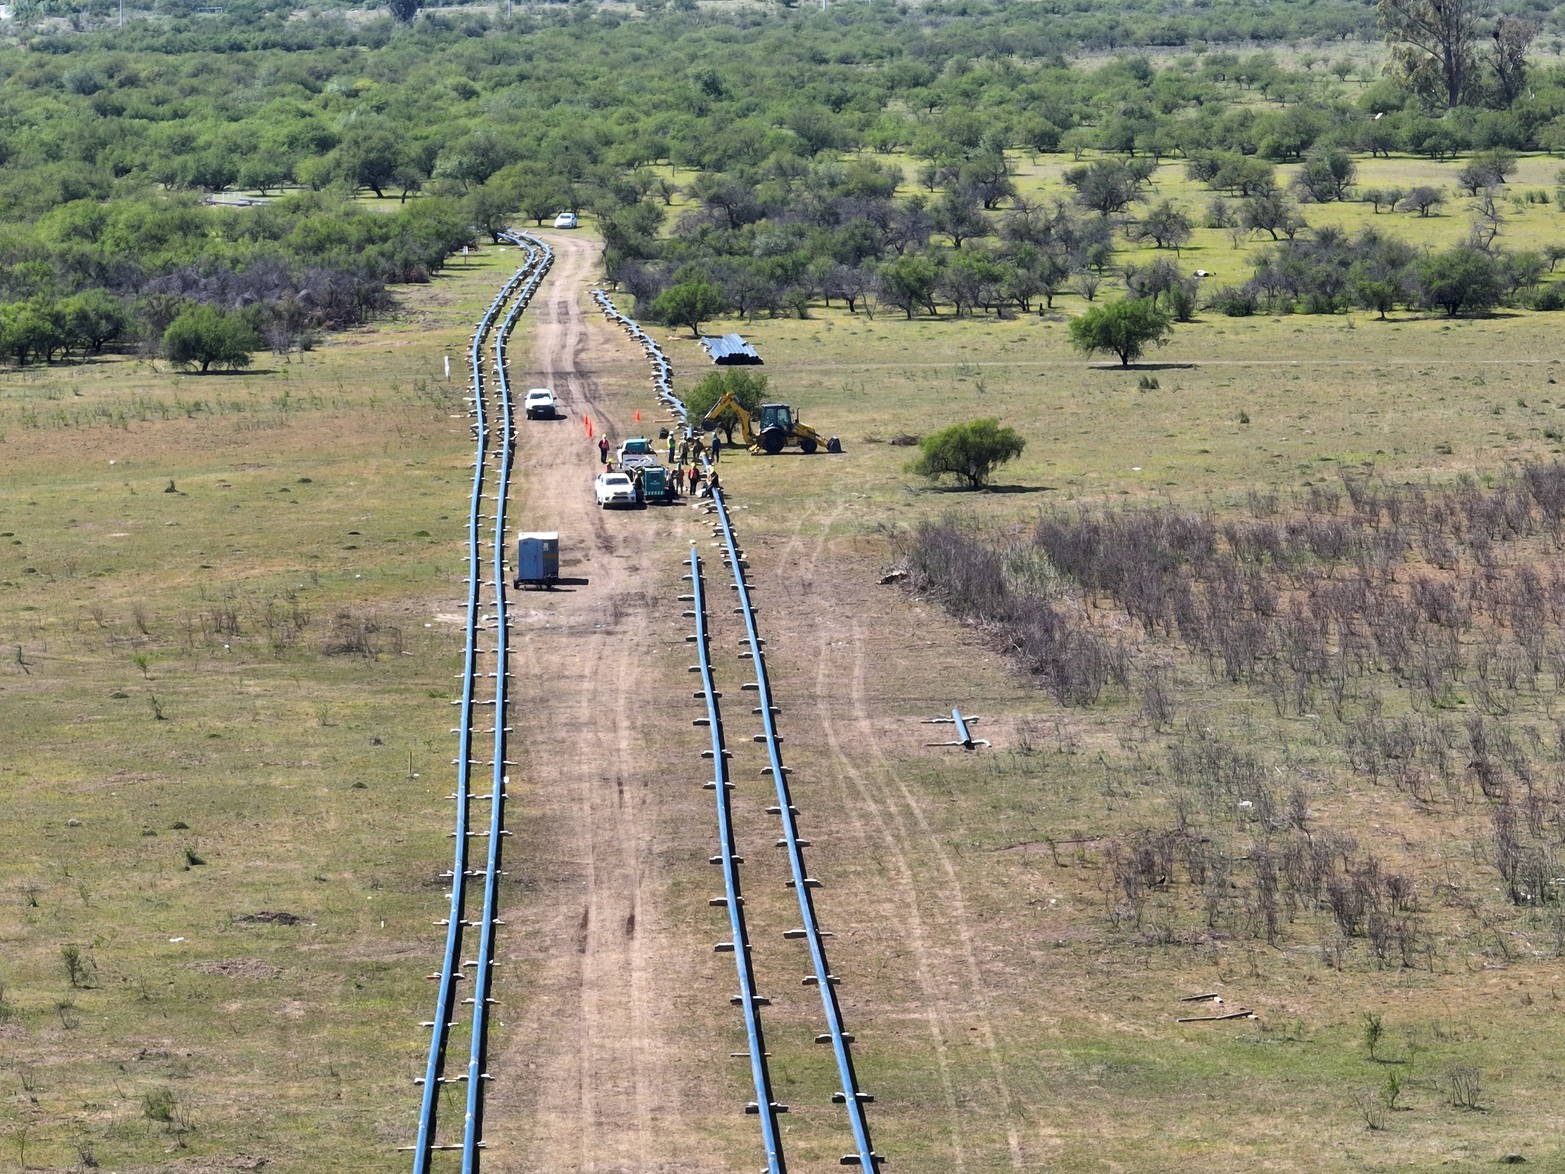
x=596 y=1068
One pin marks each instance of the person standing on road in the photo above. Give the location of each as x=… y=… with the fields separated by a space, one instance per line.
x=603 y=450
x=717 y=447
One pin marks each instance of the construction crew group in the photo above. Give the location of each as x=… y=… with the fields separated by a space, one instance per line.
x=684 y=459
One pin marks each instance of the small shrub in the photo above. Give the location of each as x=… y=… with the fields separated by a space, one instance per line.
x=1233 y=301
x=1147 y=383
x=159 y=1104
x=78 y=966
x=1182 y=300
x=192 y=859
x=1548 y=298
x=1392 y=1089
x=1464 y=1085
x=972 y=451
x=1370 y=1108
x=1373 y=1032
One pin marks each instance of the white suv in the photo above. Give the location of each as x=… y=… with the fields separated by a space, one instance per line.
x=539 y=404
x=565 y=220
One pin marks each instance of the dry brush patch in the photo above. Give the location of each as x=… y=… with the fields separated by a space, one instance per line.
x=1336 y=754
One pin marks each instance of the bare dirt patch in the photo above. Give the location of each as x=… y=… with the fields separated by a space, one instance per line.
x=237 y=968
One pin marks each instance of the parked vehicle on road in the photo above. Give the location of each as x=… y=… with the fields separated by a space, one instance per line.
x=635 y=452
x=540 y=404
x=615 y=489
x=657 y=487
x=537 y=559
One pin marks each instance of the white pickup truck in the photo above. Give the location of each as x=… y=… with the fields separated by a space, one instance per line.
x=635 y=453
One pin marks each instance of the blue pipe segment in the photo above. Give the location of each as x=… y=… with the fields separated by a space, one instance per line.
x=518 y=290
x=472 y=1135
x=852 y=1098
x=750 y=1002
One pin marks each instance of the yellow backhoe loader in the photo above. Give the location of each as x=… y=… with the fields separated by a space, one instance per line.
x=779 y=427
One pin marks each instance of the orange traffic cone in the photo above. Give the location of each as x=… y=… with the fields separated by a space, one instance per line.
x=589 y=426
x=638 y=415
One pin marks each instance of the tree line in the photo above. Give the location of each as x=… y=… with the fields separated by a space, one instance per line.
x=89 y=275
x=794 y=125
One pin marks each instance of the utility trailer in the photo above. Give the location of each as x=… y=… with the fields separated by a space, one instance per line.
x=657 y=487
x=537 y=559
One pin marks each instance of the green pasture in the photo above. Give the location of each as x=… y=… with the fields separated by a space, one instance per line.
x=1413 y=397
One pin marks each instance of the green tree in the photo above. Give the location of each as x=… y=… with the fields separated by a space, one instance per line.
x=689 y=303
x=1421 y=199
x=1326 y=176
x=958 y=215
x=1125 y=328
x=749 y=388
x=1104 y=185
x=1273 y=213
x=404 y=10
x=1167 y=224
x=92 y=318
x=1486 y=169
x=203 y=335
x=489 y=208
x=1434 y=46
x=369 y=159
x=1513 y=36
x=34 y=328
x=972 y=450
x=908 y=282
x=1459 y=280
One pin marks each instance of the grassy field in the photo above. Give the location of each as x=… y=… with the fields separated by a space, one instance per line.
x=229 y=624
x=228 y=640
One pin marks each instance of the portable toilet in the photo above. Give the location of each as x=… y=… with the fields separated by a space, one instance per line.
x=537 y=559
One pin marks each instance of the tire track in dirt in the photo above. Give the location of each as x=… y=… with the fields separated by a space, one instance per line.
x=909 y=916
x=807 y=557
x=903 y=831
x=951 y=899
